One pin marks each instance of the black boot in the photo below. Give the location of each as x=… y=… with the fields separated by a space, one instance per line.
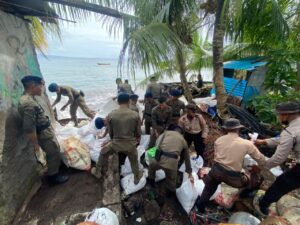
x=263 y=206
x=58 y=179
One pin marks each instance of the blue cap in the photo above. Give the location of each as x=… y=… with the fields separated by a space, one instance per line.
x=30 y=78
x=99 y=123
x=148 y=95
x=53 y=87
x=133 y=97
x=175 y=93
x=162 y=99
x=123 y=97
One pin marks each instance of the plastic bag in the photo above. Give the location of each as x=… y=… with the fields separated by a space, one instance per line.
x=244 y=218
x=75 y=154
x=188 y=193
x=196 y=163
x=145 y=139
x=103 y=216
x=127 y=183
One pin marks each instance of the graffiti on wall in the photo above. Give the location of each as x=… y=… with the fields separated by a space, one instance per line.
x=17 y=59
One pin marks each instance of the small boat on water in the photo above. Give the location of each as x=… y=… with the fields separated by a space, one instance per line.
x=103 y=64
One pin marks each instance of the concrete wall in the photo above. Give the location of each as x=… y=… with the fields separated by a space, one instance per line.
x=18 y=171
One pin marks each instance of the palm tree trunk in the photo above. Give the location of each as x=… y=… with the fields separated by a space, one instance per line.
x=182 y=72
x=298 y=73
x=218 y=42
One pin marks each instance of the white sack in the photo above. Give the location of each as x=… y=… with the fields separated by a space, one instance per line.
x=127 y=183
x=196 y=163
x=103 y=216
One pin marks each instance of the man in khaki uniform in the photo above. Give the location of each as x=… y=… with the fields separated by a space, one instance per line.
x=124 y=127
x=172 y=144
x=76 y=99
x=38 y=128
x=230 y=151
x=176 y=105
x=133 y=101
x=149 y=105
x=161 y=117
x=289 y=141
x=156 y=89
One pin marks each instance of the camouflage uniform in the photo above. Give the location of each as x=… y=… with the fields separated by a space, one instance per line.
x=124 y=140
x=76 y=99
x=174 y=143
x=149 y=105
x=161 y=119
x=35 y=120
x=176 y=106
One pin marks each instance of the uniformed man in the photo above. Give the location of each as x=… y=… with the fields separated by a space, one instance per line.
x=156 y=89
x=38 y=128
x=195 y=128
x=127 y=88
x=123 y=87
x=125 y=132
x=133 y=101
x=177 y=105
x=230 y=151
x=172 y=144
x=161 y=117
x=289 y=141
x=149 y=105
x=76 y=99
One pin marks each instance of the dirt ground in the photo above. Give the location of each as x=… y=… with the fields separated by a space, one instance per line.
x=51 y=204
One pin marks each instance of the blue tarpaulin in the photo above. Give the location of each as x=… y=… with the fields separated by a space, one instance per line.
x=248 y=64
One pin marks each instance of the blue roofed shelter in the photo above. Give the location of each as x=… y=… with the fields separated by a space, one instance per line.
x=251 y=72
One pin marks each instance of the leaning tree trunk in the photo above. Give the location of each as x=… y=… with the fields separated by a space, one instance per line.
x=218 y=42
x=182 y=72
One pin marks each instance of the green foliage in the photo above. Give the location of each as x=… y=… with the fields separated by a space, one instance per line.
x=264 y=105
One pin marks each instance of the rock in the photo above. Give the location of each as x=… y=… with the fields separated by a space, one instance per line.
x=274 y=220
x=151 y=210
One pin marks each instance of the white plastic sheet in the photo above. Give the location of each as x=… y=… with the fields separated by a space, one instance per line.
x=126 y=168
x=196 y=163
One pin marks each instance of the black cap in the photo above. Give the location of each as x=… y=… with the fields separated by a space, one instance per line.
x=232 y=124
x=30 y=78
x=162 y=99
x=288 y=108
x=134 y=97
x=123 y=97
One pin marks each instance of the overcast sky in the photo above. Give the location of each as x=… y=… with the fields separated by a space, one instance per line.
x=85 y=39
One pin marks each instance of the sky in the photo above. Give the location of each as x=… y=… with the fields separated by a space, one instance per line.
x=85 y=39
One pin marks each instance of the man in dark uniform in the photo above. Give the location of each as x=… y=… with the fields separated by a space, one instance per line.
x=288 y=115
x=156 y=89
x=133 y=101
x=161 y=118
x=38 y=128
x=176 y=105
x=76 y=99
x=172 y=145
x=124 y=127
x=149 y=105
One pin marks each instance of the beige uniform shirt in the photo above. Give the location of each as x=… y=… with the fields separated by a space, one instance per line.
x=173 y=142
x=124 y=124
x=126 y=88
x=230 y=151
x=288 y=142
x=195 y=125
x=70 y=92
x=155 y=89
x=176 y=106
x=34 y=117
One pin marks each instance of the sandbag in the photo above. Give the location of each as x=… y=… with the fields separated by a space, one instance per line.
x=95 y=151
x=127 y=183
x=292 y=215
x=196 y=163
x=227 y=196
x=244 y=218
x=103 y=216
x=272 y=208
x=188 y=193
x=159 y=175
x=285 y=203
x=75 y=154
x=275 y=220
x=145 y=139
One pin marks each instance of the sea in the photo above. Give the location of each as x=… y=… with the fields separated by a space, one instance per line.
x=96 y=81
